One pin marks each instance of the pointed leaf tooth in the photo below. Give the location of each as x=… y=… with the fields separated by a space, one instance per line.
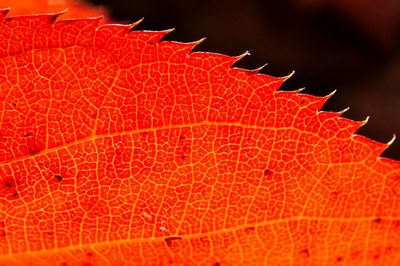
x=240 y=57
x=134 y=24
x=329 y=95
x=309 y=112
x=376 y=147
x=325 y=115
x=109 y=36
x=116 y=29
x=357 y=124
x=274 y=83
x=260 y=68
x=49 y=17
x=278 y=81
x=321 y=100
x=365 y=121
x=298 y=91
x=301 y=108
x=387 y=144
x=265 y=84
x=343 y=111
x=187 y=47
x=43 y=33
x=347 y=127
x=63 y=29
x=56 y=15
x=121 y=30
x=312 y=102
x=148 y=36
x=158 y=35
x=180 y=48
x=196 y=43
x=176 y=52
x=246 y=53
x=392 y=140
x=335 y=126
x=212 y=61
x=288 y=76
x=32 y=20
x=256 y=70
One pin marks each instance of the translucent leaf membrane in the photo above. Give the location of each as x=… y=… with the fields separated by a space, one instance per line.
x=118 y=148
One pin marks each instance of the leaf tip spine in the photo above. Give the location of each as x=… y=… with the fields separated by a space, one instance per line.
x=390 y=142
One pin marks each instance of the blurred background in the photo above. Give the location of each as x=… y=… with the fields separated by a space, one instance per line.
x=352 y=46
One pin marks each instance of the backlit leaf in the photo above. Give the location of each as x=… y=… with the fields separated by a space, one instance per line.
x=118 y=148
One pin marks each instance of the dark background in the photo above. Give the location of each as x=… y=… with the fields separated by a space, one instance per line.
x=349 y=45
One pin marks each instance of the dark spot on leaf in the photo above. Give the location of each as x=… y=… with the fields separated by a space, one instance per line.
x=335 y=193
x=170 y=240
x=181 y=137
x=217 y=264
x=9 y=183
x=378 y=220
x=305 y=252
x=14 y=104
x=389 y=248
x=339 y=258
x=267 y=173
x=28 y=134
x=9 y=187
x=89 y=254
x=249 y=230
x=59 y=177
x=183 y=157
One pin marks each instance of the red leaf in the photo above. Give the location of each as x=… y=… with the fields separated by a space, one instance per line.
x=76 y=8
x=117 y=148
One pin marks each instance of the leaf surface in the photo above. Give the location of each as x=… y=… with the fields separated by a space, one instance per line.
x=76 y=8
x=118 y=148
